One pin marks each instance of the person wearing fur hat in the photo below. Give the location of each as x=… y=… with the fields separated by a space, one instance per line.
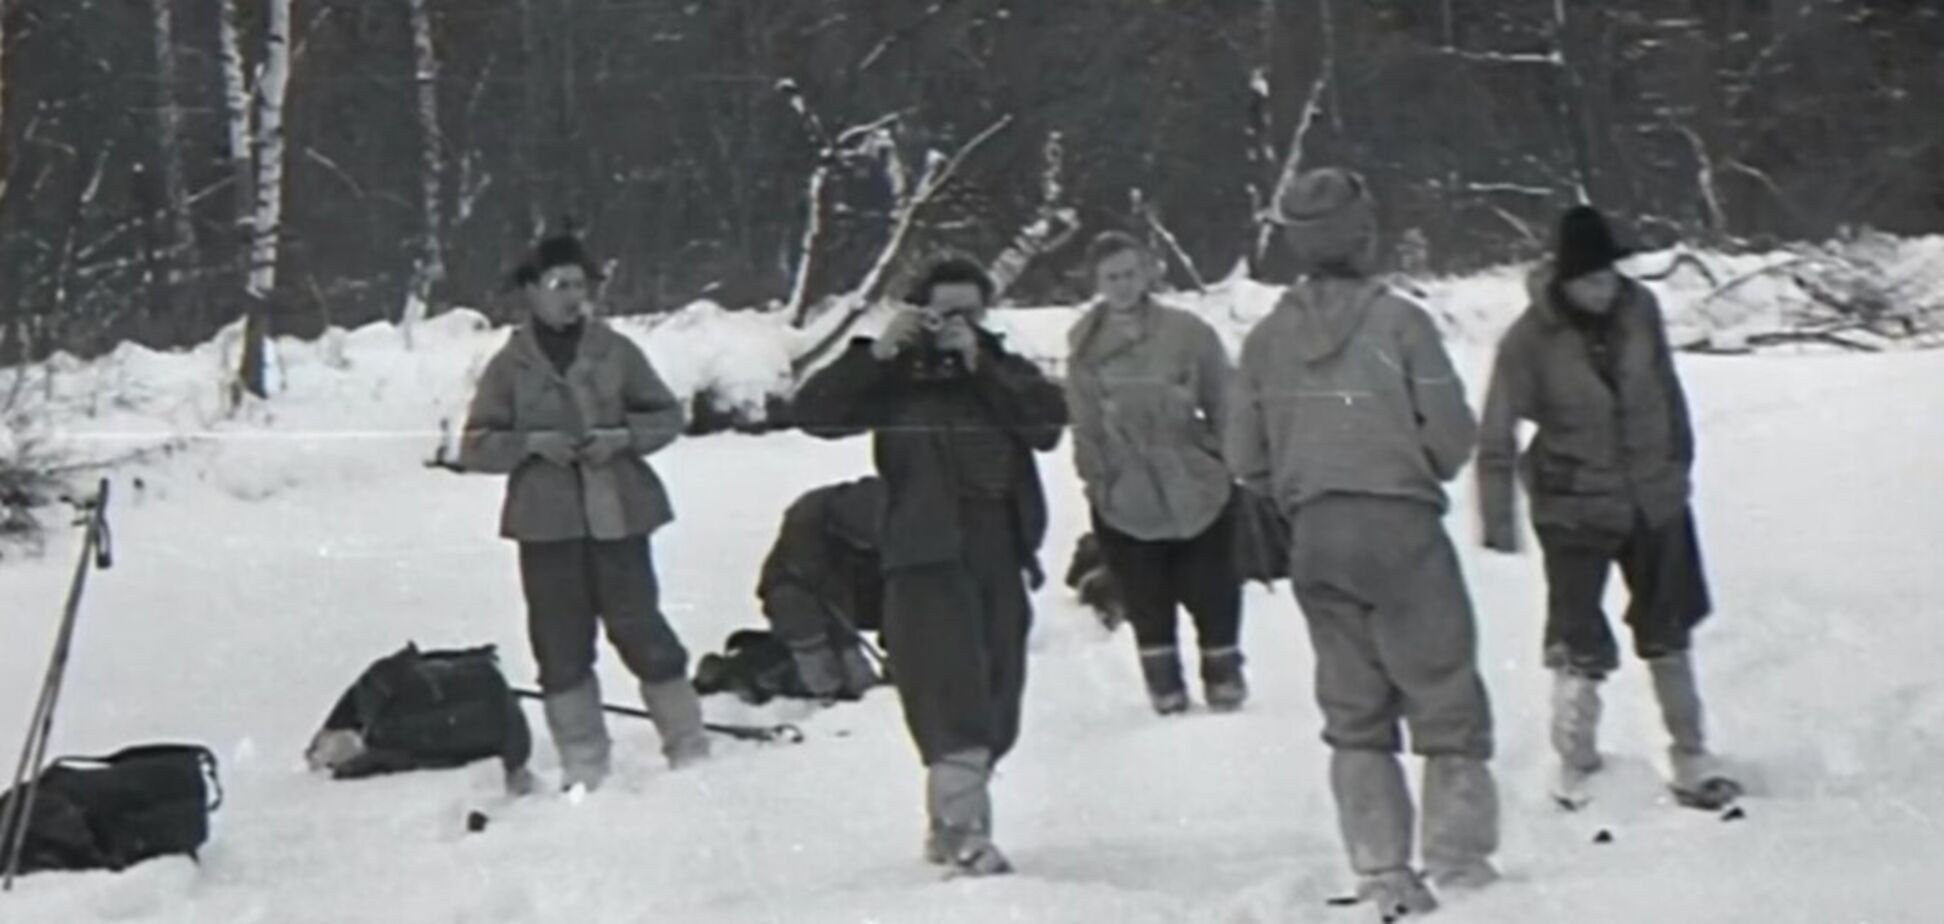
x=568 y=409
x=955 y=419
x=1349 y=413
x=1145 y=387
x=1609 y=472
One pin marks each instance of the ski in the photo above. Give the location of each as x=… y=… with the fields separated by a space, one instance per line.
x=763 y=734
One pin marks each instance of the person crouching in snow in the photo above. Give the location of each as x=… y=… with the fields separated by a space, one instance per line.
x=956 y=419
x=567 y=409
x=1145 y=386
x=822 y=585
x=1348 y=412
x=1609 y=471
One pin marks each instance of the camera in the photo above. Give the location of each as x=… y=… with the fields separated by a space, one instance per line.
x=930 y=360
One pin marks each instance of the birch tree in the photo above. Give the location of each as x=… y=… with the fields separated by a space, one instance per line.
x=429 y=268
x=267 y=148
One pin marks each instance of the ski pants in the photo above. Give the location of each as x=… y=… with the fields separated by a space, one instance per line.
x=1158 y=576
x=956 y=632
x=1667 y=590
x=573 y=585
x=1392 y=627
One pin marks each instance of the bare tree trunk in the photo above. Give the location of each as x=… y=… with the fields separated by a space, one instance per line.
x=181 y=244
x=1571 y=106
x=236 y=95
x=529 y=145
x=267 y=222
x=430 y=266
x=1053 y=223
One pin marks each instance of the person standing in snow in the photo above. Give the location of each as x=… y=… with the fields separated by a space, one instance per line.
x=822 y=584
x=955 y=420
x=1609 y=471
x=1349 y=413
x=567 y=409
x=1146 y=384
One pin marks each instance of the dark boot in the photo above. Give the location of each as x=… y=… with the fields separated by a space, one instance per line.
x=1223 y=684
x=1161 y=668
x=959 y=803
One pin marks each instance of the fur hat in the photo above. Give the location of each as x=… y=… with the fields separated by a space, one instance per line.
x=1330 y=218
x=1585 y=244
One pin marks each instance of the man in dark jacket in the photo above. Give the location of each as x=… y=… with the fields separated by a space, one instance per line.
x=1349 y=414
x=956 y=419
x=822 y=584
x=1609 y=473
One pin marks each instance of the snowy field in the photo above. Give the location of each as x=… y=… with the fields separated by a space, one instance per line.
x=263 y=565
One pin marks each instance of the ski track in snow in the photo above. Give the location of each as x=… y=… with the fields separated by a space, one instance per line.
x=255 y=578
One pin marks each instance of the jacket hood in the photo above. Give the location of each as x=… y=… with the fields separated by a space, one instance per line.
x=1328 y=312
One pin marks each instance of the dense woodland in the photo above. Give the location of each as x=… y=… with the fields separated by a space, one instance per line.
x=170 y=166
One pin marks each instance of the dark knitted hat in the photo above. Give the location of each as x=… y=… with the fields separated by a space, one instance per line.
x=563 y=249
x=1585 y=245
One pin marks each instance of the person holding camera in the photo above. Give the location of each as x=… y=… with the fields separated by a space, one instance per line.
x=955 y=419
x=1147 y=385
x=567 y=409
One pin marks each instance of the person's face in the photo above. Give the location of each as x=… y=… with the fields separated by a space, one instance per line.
x=957 y=300
x=557 y=297
x=1595 y=291
x=1123 y=279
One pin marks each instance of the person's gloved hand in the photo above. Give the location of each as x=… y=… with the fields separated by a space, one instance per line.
x=957 y=336
x=603 y=444
x=904 y=328
x=551 y=445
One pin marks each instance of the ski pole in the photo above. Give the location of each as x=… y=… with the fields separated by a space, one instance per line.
x=785 y=732
x=95 y=552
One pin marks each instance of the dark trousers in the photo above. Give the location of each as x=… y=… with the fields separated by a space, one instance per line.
x=957 y=633
x=799 y=615
x=1392 y=627
x=1666 y=586
x=1157 y=576
x=573 y=585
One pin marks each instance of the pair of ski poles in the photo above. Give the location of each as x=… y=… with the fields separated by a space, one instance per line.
x=91 y=513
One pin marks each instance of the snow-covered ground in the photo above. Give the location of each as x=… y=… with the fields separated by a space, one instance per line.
x=263 y=565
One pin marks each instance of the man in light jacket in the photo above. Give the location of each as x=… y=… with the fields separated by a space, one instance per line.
x=567 y=409
x=1146 y=385
x=1349 y=413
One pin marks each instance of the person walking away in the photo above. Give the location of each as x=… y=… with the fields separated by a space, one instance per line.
x=1610 y=474
x=955 y=419
x=568 y=409
x=1349 y=413
x=1146 y=386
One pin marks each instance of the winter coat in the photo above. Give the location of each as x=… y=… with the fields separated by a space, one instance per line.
x=828 y=545
x=1345 y=388
x=1147 y=407
x=1603 y=450
x=940 y=442
x=610 y=384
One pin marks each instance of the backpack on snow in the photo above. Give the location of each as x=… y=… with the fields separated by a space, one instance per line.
x=415 y=710
x=755 y=666
x=96 y=813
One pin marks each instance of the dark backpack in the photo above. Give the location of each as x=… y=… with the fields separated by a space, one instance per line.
x=431 y=709
x=755 y=666
x=93 y=813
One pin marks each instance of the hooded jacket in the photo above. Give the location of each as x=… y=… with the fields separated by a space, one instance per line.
x=1345 y=388
x=1605 y=449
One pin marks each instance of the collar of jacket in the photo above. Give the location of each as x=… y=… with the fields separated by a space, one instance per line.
x=598 y=338
x=1551 y=318
x=1096 y=321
